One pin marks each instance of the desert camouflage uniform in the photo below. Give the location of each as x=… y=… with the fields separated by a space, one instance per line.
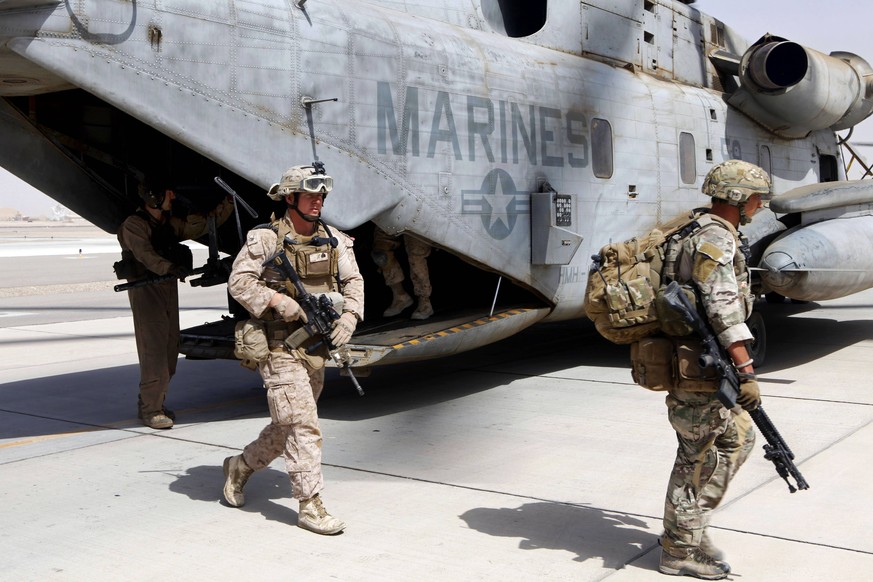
x=416 y=251
x=156 y=307
x=293 y=382
x=713 y=441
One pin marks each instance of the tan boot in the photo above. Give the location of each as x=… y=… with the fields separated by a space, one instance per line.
x=692 y=562
x=424 y=309
x=157 y=420
x=401 y=301
x=167 y=412
x=236 y=473
x=707 y=546
x=314 y=517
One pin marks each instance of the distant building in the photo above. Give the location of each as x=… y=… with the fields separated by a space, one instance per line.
x=7 y=214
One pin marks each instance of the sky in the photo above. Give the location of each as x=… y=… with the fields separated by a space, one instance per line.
x=835 y=25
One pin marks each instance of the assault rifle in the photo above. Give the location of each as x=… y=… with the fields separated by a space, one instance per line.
x=156 y=279
x=776 y=450
x=320 y=315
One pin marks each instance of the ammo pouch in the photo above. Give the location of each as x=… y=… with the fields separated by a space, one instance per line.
x=129 y=268
x=250 y=343
x=670 y=321
x=660 y=363
x=652 y=363
x=296 y=340
x=689 y=375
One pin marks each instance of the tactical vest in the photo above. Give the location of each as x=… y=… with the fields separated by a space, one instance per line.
x=164 y=242
x=703 y=222
x=315 y=258
x=317 y=265
x=672 y=362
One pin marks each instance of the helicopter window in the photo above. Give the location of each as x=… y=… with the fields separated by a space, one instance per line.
x=687 y=159
x=601 y=148
x=828 y=168
x=515 y=18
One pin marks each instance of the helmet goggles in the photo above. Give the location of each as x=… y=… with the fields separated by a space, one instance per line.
x=316 y=184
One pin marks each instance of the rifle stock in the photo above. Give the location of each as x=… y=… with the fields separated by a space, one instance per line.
x=776 y=450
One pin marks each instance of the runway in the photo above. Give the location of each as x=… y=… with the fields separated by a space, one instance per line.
x=536 y=458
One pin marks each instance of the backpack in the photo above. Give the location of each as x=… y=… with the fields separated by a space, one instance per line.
x=625 y=278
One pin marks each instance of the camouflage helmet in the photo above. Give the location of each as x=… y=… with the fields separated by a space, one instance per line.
x=735 y=181
x=302 y=179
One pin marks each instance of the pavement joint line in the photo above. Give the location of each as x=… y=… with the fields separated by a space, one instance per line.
x=524 y=375
x=777 y=477
x=601 y=509
x=809 y=399
x=128 y=425
x=793 y=540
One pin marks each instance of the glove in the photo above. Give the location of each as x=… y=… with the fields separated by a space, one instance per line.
x=750 y=394
x=179 y=272
x=290 y=310
x=343 y=328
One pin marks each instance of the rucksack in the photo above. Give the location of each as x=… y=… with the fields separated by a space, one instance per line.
x=625 y=278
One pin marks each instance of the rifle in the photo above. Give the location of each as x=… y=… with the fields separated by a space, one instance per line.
x=776 y=450
x=216 y=270
x=320 y=315
x=154 y=280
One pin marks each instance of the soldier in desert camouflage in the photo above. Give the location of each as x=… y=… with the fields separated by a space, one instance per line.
x=324 y=260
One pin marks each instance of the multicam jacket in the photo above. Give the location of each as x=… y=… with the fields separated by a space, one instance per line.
x=712 y=259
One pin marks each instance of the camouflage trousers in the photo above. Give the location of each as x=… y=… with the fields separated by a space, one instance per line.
x=713 y=444
x=293 y=388
x=417 y=253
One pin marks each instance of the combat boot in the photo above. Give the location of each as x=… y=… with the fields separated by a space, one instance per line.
x=401 y=301
x=236 y=473
x=424 y=309
x=314 y=517
x=707 y=546
x=167 y=412
x=157 y=420
x=692 y=562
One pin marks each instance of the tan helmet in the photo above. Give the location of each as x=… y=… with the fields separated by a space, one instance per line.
x=735 y=181
x=302 y=179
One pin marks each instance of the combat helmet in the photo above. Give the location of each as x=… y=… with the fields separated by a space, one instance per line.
x=302 y=179
x=152 y=193
x=735 y=181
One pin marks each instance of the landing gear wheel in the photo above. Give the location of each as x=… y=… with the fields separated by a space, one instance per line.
x=758 y=346
x=773 y=297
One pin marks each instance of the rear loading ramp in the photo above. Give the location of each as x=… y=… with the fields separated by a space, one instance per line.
x=390 y=341
x=439 y=336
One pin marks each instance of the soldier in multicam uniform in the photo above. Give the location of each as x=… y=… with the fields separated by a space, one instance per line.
x=294 y=378
x=150 y=247
x=417 y=251
x=713 y=441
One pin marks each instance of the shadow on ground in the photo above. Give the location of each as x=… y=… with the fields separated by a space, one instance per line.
x=589 y=533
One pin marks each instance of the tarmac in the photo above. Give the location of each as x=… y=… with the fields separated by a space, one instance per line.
x=536 y=458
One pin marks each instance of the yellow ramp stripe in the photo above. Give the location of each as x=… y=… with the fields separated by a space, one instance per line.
x=463 y=327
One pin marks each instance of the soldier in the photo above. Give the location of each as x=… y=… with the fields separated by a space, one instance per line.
x=713 y=441
x=150 y=247
x=384 y=248
x=325 y=262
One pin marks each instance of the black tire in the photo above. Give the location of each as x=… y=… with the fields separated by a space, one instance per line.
x=758 y=346
x=773 y=297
